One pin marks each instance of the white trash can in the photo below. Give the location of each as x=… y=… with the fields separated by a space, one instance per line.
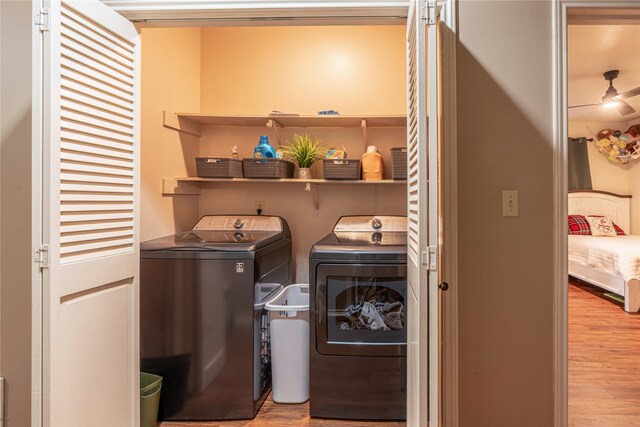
x=289 y=329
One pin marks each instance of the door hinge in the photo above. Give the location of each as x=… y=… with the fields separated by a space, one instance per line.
x=430 y=258
x=423 y=11
x=429 y=12
x=42 y=256
x=42 y=19
x=2 y=401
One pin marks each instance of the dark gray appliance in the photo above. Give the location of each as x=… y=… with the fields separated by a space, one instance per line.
x=358 y=315
x=203 y=326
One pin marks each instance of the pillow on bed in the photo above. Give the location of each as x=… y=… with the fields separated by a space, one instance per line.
x=619 y=231
x=601 y=226
x=578 y=225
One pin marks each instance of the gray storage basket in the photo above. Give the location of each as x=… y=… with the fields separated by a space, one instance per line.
x=399 y=163
x=217 y=167
x=341 y=168
x=267 y=168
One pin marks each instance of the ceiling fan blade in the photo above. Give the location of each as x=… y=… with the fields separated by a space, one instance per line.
x=625 y=109
x=630 y=93
x=584 y=105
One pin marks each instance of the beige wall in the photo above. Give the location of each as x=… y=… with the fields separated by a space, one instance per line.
x=253 y=70
x=610 y=176
x=504 y=86
x=170 y=81
x=354 y=70
x=16 y=265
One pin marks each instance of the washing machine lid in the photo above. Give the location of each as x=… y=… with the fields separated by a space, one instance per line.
x=367 y=238
x=224 y=233
x=364 y=237
x=371 y=223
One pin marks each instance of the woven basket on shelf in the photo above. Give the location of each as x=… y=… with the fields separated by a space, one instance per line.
x=267 y=168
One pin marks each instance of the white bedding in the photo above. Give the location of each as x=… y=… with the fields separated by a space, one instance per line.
x=619 y=256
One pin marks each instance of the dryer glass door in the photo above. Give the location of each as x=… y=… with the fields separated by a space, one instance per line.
x=361 y=309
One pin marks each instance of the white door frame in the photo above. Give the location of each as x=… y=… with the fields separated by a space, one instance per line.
x=380 y=12
x=243 y=12
x=560 y=18
x=449 y=205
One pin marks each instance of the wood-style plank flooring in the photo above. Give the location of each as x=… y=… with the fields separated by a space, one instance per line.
x=274 y=415
x=604 y=360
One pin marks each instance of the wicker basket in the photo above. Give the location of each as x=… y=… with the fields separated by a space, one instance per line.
x=216 y=167
x=341 y=168
x=399 y=163
x=267 y=168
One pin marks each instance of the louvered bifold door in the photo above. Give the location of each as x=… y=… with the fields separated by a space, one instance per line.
x=422 y=405
x=91 y=192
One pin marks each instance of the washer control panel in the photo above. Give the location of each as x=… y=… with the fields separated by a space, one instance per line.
x=239 y=223
x=378 y=223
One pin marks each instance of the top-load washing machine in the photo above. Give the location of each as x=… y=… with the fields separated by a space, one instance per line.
x=358 y=320
x=203 y=326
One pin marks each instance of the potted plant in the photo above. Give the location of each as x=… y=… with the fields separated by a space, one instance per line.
x=304 y=151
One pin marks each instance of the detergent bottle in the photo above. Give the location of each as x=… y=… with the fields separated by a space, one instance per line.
x=263 y=150
x=372 y=165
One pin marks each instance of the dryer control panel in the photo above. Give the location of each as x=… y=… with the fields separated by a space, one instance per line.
x=239 y=223
x=381 y=223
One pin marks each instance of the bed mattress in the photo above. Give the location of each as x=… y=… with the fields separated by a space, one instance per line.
x=618 y=256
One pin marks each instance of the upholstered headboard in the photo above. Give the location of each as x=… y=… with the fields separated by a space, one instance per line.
x=615 y=206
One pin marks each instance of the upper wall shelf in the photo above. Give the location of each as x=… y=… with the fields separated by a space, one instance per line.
x=192 y=185
x=191 y=123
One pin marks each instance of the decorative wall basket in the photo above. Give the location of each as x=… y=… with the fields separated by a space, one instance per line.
x=619 y=147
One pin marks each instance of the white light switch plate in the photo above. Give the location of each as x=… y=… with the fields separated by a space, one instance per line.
x=510 y=203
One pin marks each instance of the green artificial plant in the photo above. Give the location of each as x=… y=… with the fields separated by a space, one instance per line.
x=304 y=150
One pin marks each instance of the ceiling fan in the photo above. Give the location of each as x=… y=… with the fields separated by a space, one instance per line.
x=612 y=99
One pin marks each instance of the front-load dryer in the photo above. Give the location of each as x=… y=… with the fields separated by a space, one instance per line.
x=358 y=320
x=203 y=326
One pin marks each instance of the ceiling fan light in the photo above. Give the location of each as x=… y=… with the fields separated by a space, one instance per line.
x=611 y=103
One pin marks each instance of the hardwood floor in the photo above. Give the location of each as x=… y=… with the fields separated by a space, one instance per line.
x=604 y=360
x=274 y=415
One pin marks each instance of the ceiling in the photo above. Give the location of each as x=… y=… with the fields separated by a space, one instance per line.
x=594 y=49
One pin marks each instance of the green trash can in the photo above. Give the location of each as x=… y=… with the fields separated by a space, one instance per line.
x=150 y=386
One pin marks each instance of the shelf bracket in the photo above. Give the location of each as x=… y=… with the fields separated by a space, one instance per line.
x=364 y=126
x=314 y=189
x=276 y=126
x=177 y=187
x=173 y=121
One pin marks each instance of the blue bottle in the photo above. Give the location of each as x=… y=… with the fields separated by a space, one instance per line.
x=263 y=150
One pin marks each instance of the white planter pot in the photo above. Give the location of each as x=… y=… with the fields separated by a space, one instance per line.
x=304 y=173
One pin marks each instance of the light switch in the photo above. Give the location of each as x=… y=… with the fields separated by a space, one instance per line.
x=510 y=203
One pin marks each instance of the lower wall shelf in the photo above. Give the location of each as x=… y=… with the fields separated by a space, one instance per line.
x=192 y=185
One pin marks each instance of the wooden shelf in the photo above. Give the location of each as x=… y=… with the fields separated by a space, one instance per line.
x=192 y=185
x=191 y=122
x=292 y=180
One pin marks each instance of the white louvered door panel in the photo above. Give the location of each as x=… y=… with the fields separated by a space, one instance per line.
x=422 y=211
x=91 y=139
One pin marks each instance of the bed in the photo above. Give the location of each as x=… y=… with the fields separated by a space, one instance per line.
x=611 y=263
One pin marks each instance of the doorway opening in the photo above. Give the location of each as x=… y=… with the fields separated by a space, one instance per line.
x=206 y=89
x=603 y=206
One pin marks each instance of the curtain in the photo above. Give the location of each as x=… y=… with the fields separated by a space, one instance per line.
x=579 y=172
